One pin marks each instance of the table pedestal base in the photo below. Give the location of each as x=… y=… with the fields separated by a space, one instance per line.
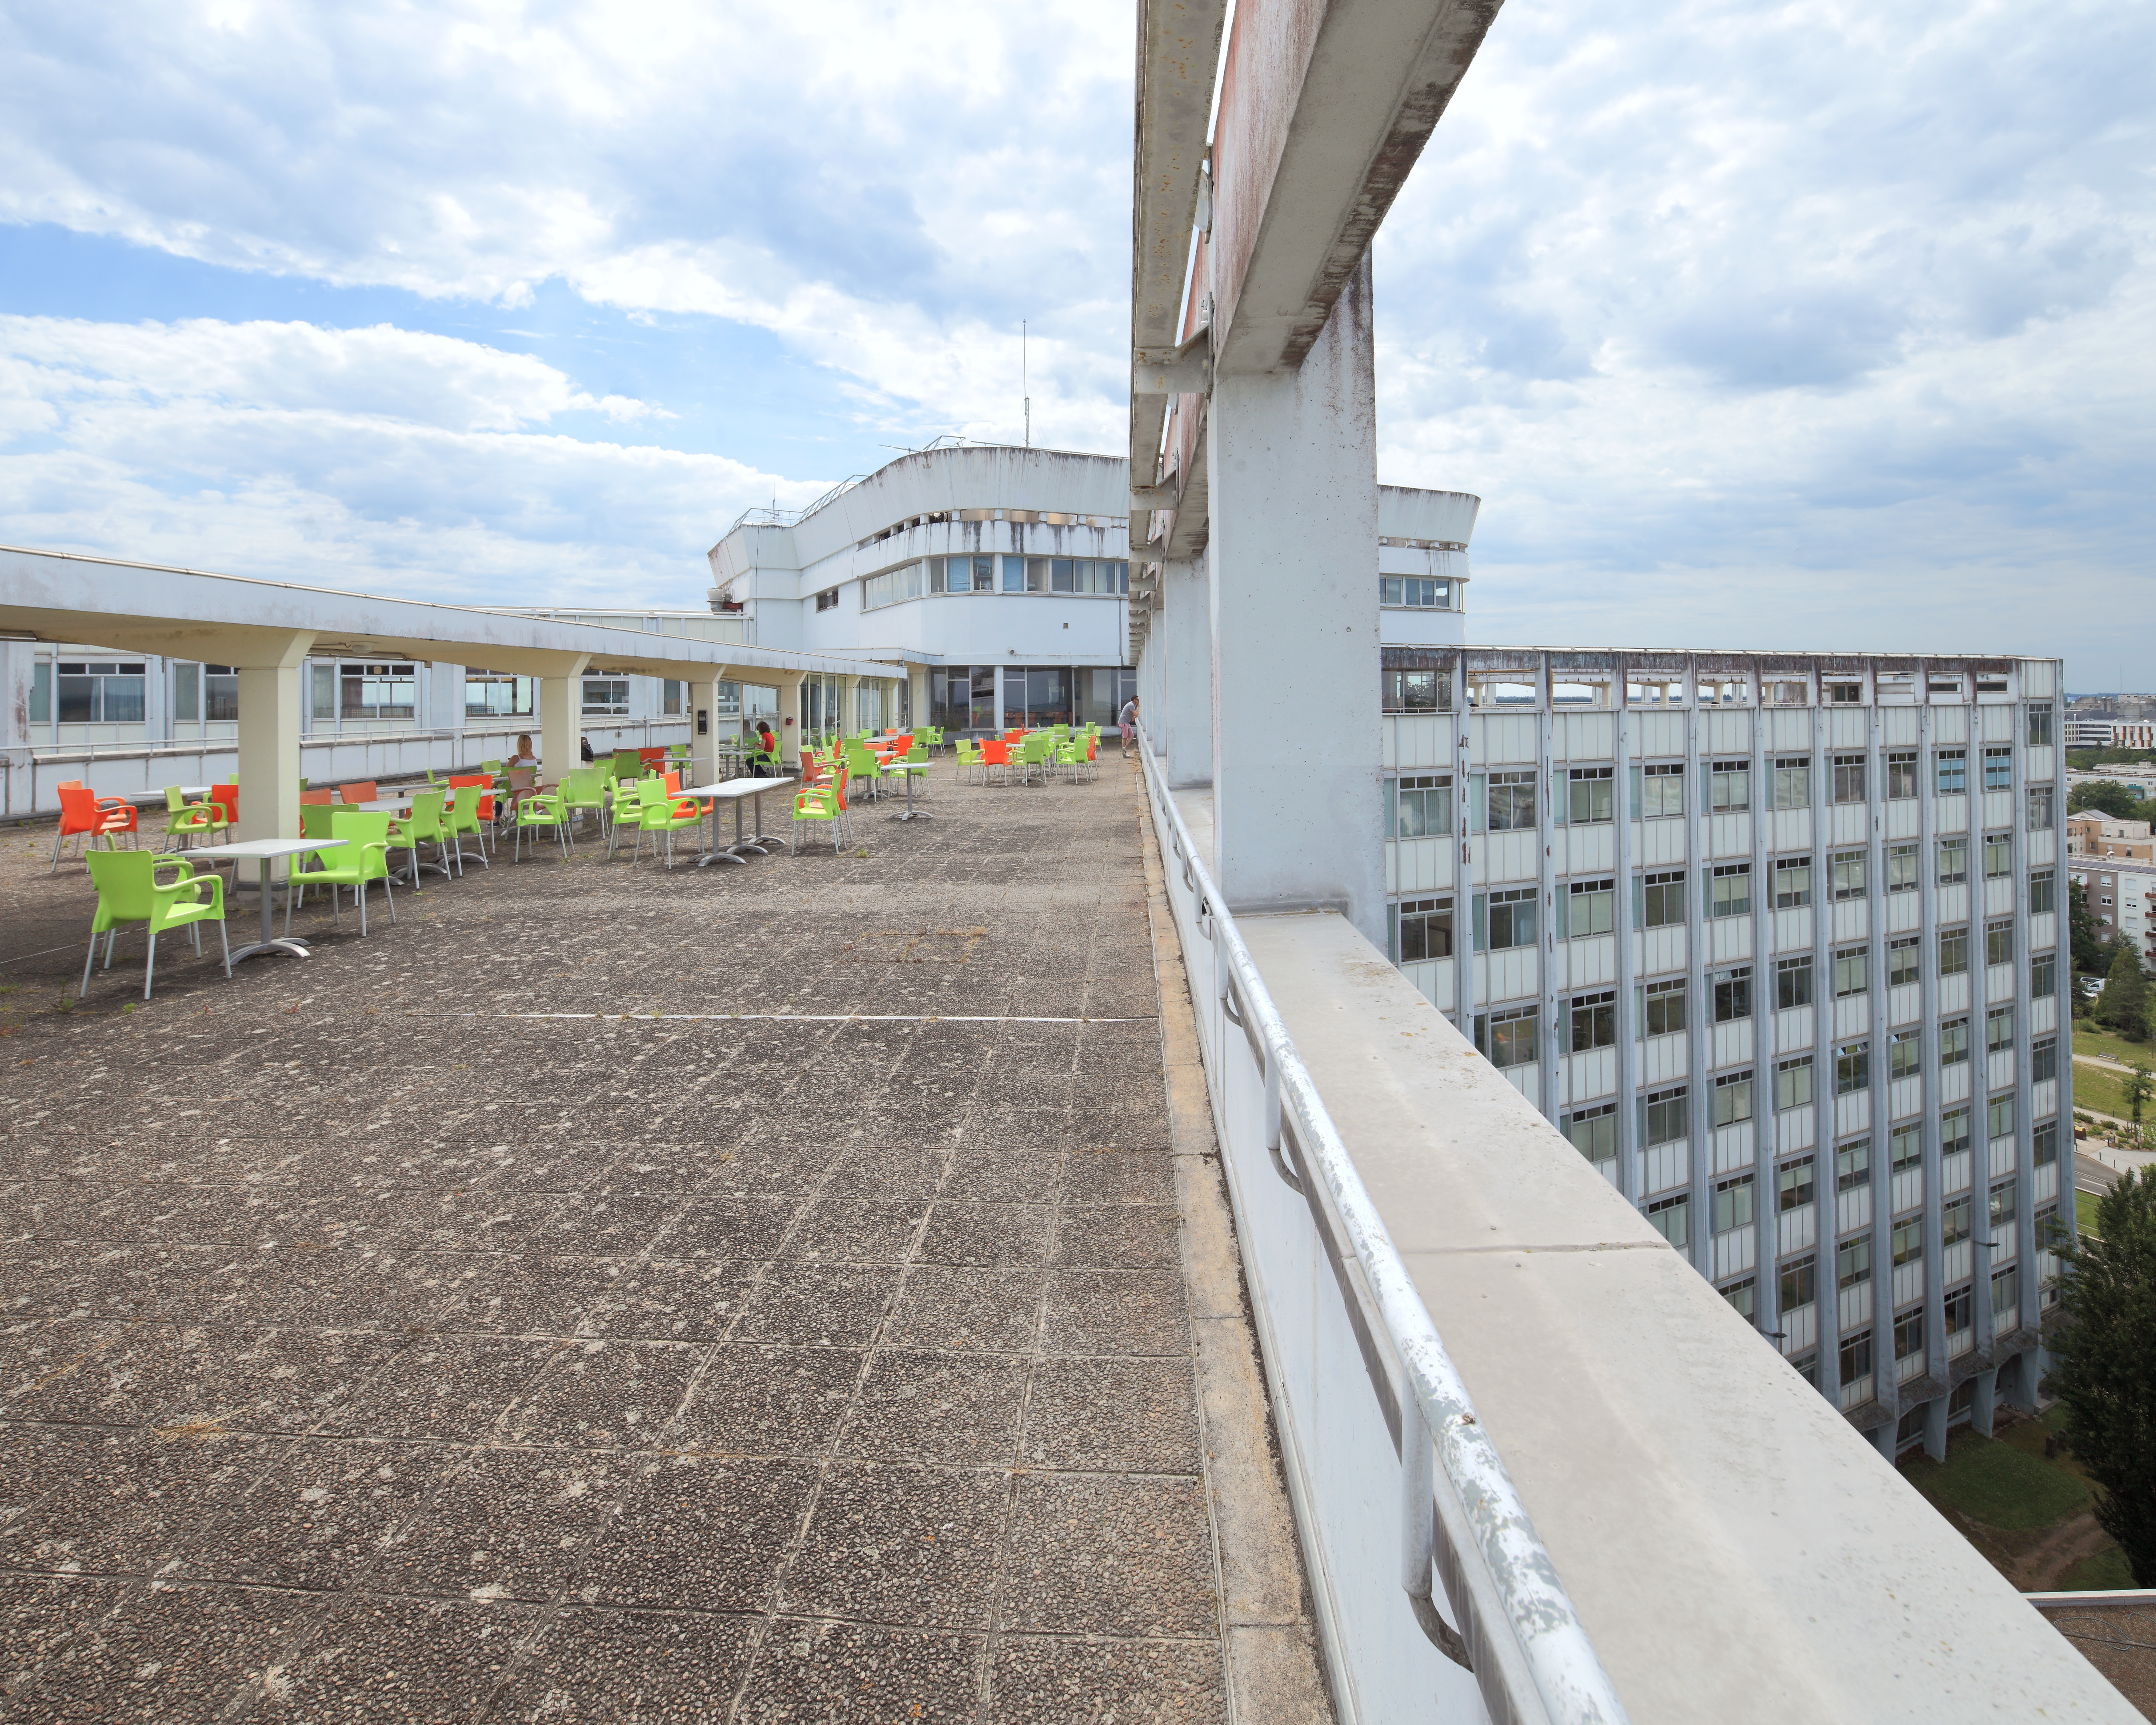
x=291 y=944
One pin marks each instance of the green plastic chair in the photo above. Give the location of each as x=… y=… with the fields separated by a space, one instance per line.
x=1033 y=753
x=128 y=891
x=666 y=814
x=584 y=788
x=867 y=772
x=362 y=859
x=625 y=811
x=425 y=825
x=541 y=808
x=819 y=804
x=461 y=817
x=189 y=821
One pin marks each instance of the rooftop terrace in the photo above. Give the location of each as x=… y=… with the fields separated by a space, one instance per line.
x=761 y=1293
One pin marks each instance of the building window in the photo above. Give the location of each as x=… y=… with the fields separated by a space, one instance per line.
x=1417 y=691
x=1730 y=786
x=1904 y=1052
x=1661 y=790
x=2002 y=1113
x=1953 y=1132
x=1999 y=1028
x=1852 y=1165
x=1662 y=899
x=1732 y=994
x=1857 y=1356
x=2043 y=892
x=1793 y=1083
x=1999 y=943
x=828 y=600
x=1668 y=1115
x=1953 y=951
x=1799 y=1284
x=1793 y=882
x=490 y=696
x=1593 y=795
x=1414 y=591
x=1953 y=1041
x=1849 y=779
x=1953 y=767
x=1900 y=775
x=1740 y=1295
x=2041 y=808
x=1998 y=855
x=1954 y=1221
x=1592 y=908
x=1908 y=1242
x=1419 y=806
x=1732 y=1205
x=1593 y=1021
x=2002 y=1204
x=1852 y=1068
x=1663 y=1006
x=1848 y=867
x=1959 y=1309
x=1422 y=929
x=1793 y=781
x=1900 y=868
x=2006 y=1298
x=1732 y=1100
x=1730 y=891
x=1998 y=768
x=888 y=588
x=606 y=697
x=1852 y=971
x=1852 y=1262
x=1512 y=799
x=1845 y=694
x=2044 y=1143
x=1593 y=1132
x=1904 y=961
x=968 y=574
x=2044 y=976
x=2037 y=733
x=100 y=692
x=1507 y=1038
x=1954 y=861
x=1793 y=983
x=1670 y=1217
x=1905 y=1148
x=2043 y=1059
x=1508 y=918
x=1908 y=1342
x=1794 y=1183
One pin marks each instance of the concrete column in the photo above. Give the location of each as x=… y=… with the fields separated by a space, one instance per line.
x=1186 y=715
x=269 y=737
x=704 y=727
x=1292 y=457
x=1983 y=1402
x=1935 y=1426
x=561 y=719
x=789 y=720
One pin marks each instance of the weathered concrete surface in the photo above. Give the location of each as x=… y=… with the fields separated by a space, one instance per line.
x=372 y=1348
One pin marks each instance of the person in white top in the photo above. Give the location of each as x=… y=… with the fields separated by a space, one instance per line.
x=1126 y=722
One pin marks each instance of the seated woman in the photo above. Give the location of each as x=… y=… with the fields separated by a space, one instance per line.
x=523 y=757
x=769 y=744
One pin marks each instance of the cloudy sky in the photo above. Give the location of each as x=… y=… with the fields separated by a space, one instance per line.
x=1753 y=324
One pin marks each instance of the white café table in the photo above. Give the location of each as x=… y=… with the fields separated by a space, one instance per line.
x=906 y=770
x=737 y=791
x=401 y=808
x=266 y=851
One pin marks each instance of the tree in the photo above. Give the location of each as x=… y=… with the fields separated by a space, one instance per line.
x=2139 y=1085
x=2103 y=1367
x=2084 y=943
x=2125 y=1003
x=2107 y=794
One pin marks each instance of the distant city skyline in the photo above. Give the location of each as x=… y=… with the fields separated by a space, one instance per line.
x=1795 y=333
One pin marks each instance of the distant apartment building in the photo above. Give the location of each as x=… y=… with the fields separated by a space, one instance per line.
x=999 y=577
x=2121 y=897
x=2090 y=831
x=1775 y=940
x=2109 y=733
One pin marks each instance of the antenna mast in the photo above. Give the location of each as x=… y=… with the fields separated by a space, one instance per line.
x=1024 y=383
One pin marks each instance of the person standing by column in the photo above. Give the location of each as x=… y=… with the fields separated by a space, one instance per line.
x=1126 y=722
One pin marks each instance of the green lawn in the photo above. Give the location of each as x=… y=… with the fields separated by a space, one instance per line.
x=2089 y=1039
x=2096 y=1089
x=1999 y=1484
x=2106 y=1569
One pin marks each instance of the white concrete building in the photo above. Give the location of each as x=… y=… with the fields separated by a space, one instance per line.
x=999 y=578
x=2120 y=895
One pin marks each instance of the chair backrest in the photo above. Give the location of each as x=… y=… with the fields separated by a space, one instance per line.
x=358 y=828
x=523 y=778
x=426 y=818
x=360 y=790
x=490 y=768
x=464 y=802
x=123 y=880
x=310 y=799
x=227 y=796
x=626 y=763
x=582 y=786
x=1037 y=747
x=315 y=820
x=995 y=752
x=78 y=807
x=174 y=801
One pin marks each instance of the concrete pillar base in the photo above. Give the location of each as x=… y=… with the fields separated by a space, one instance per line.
x=1981 y=1409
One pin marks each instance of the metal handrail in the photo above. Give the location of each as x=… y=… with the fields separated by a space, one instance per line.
x=1568 y=1677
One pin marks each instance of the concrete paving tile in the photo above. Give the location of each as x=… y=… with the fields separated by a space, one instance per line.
x=606 y=1395
x=388 y=1290
x=39 y=1615
x=988 y=1233
x=967 y=1307
x=398 y=1661
x=130 y=1500
x=993 y=1173
x=856 y=1230
x=1088 y=1555
x=759 y=1400
x=1134 y=1176
x=316 y=1515
x=447 y=1386
x=740 y=1226
x=481 y=1220
x=671 y=1299
x=614 y=1667
x=168 y=1654
x=1038 y=1678
x=1129 y=1236
x=285 y=1380
x=1113 y=1415
x=105 y=1373
x=912 y=1545
x=612 y=1225
x=520 y=1293
x=700 y=1532
x=820 y=1305
x=853 y=1674
x=509 y=1524
x=920 y=1406
x=1128 y=1312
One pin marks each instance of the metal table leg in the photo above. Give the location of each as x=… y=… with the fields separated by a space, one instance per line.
x=271 y=941
x=714 y=854
x=761 y=842
x=909 y=812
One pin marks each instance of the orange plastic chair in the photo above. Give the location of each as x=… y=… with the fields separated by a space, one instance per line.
x=83 y=815
x=995 y=753
x=901 y=746
x=226 y=797
x=487 y=787
x=673 y=783
x=316 y=798
x=358 y=791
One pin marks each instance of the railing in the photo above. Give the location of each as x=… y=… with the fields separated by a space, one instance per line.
x=1512 y=1625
